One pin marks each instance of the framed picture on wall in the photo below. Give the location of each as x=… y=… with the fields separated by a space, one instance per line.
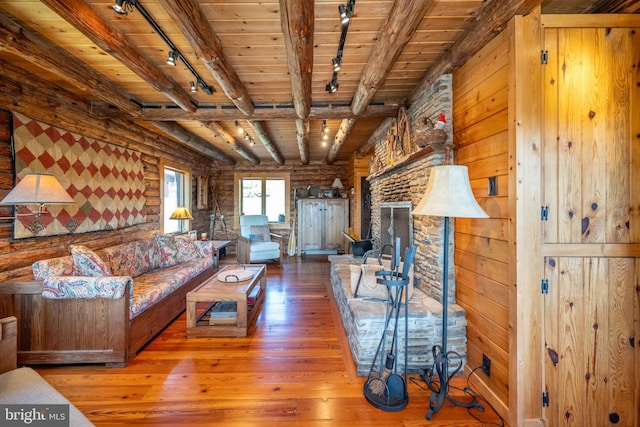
x=203 y=190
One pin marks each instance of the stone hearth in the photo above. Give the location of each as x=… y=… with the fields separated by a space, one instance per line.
x=363 y=320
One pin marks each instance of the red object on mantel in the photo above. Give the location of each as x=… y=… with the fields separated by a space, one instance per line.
x=441 y=122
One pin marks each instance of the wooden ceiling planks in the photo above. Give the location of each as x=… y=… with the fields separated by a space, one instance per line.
x=253 y=45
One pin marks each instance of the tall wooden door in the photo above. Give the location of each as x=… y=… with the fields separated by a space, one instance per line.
x=591 y=235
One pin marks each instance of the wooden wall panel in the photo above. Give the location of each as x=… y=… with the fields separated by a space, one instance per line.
x=589 y=354
x=591 y=166
x=480 y=122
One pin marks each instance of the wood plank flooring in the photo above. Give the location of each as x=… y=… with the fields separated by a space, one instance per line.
x=294 y=368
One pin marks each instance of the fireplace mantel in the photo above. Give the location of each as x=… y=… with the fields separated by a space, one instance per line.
x=403 y=162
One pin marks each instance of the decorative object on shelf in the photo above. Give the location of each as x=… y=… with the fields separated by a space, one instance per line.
x=431 y=135
x=182 y=214
x=337 y=186
x=448 y=194
x=36 y=189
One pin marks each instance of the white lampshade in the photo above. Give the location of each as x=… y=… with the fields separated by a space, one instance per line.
x=38 y=189
x=181 y=212
x=337 y=183
x=449 y=194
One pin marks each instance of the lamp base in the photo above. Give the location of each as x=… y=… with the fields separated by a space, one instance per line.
x=440 y=388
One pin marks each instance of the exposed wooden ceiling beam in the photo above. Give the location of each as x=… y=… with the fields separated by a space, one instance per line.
x=196 y=28
x=297 y=19
x=261 y=132
x=88 y=22
x=492 y=19
x=402 y=22
x=302 y=135
x=341 y=136
x=316 y=113
x=32 y=47
x=235 y=145
x=194 y=141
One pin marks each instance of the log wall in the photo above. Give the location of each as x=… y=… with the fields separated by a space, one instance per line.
x=16 y=256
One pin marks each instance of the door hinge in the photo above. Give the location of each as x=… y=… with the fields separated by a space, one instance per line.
x=545 y=399
x=544 y=57
x=544 y=213
x=544 y=286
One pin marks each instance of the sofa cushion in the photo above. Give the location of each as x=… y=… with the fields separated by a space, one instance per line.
x=153 y=286
x=61 y=266
x=187 y=250
x=88 y=263
x=128 y=259
x=168 y=250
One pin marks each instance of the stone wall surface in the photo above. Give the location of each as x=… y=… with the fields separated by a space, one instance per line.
x=364 y=322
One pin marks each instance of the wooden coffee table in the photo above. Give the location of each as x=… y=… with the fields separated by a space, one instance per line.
x=226 y=309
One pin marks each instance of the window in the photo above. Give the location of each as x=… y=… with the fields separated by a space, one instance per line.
x=263 y=194
x=176 y=191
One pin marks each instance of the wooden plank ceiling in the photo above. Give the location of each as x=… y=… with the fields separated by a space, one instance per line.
x=269 y=62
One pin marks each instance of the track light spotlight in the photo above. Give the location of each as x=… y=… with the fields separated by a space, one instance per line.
x=333 y=85
x=209 y=90
x=246 y=137
x=171 y=59
x=337 y=63
x=123 y=7
x=240 y=130
x=194 y=88
x=344 y=15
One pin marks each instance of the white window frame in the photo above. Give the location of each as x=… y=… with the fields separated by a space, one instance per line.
x=238 y=177
x=186 y=191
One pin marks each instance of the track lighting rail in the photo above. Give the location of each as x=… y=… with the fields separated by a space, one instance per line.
x=346 y=12
x=123 y=7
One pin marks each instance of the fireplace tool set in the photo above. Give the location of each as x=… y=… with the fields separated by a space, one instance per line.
x=386 y=388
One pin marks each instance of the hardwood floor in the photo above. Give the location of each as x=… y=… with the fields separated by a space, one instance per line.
x=294 y=368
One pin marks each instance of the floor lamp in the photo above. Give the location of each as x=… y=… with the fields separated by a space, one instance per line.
x=448 y=195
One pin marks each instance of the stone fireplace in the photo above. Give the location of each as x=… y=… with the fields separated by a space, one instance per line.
x=397 y=184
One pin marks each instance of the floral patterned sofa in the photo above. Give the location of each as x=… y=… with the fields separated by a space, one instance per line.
x=104 y=306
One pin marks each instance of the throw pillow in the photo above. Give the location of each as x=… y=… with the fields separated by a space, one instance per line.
x=168 y=250
x=187 y=250
x=260 y=230
x=88 y=263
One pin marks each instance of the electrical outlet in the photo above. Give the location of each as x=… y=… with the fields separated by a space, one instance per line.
x=486 y=365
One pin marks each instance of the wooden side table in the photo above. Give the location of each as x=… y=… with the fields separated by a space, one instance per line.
x=217 y=245
x=216 y=294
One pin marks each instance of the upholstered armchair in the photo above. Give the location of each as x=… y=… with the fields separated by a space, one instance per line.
x=256 y=243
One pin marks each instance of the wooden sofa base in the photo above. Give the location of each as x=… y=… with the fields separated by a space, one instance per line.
x=79 y=331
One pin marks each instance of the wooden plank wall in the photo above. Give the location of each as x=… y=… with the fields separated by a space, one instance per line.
x=480 y=115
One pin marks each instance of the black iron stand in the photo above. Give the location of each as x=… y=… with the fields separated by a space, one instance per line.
x=441 y=357
x=385 y=388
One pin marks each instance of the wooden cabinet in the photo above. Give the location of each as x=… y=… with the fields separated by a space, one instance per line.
x=321 y=223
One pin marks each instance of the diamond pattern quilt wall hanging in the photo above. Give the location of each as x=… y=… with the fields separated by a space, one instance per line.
x=106 y=181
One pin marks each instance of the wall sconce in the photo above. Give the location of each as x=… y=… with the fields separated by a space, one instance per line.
x=37 y=189
x=181 y=214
